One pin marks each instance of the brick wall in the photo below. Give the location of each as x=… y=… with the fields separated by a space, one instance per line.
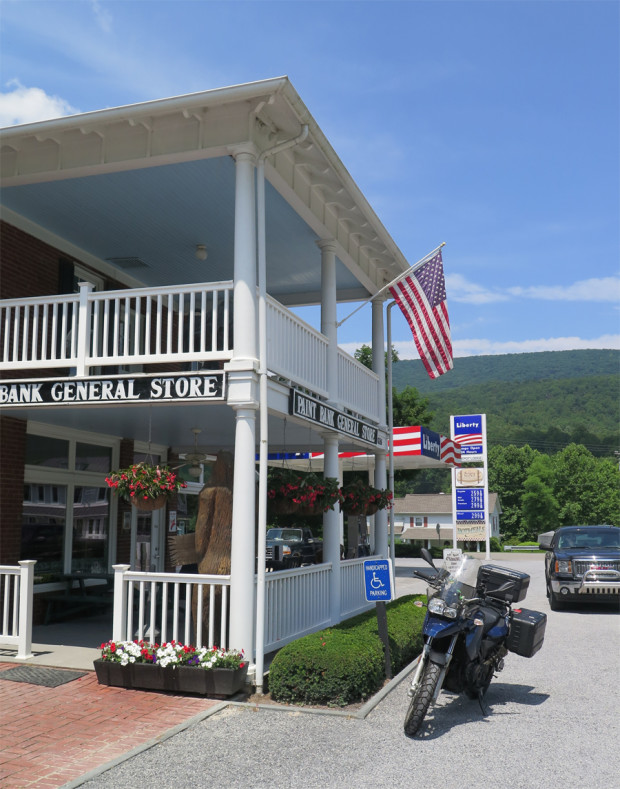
x=12 y=455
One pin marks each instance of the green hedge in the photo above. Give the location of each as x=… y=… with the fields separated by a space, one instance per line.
x=346 y=664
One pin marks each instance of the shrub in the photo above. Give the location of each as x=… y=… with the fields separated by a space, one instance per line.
x=345 y=663
x=495 y=545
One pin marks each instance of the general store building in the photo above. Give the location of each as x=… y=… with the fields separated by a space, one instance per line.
x=152 y=256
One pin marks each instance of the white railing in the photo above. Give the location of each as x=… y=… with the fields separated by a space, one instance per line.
x=188 y=323
x=358 y=387
x=296 y=603
x=352 y=591
x=164 y=606
x=182 y=323
x=16 y=593
x=295 y=350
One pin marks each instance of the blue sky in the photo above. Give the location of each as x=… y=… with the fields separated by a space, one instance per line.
x=492 y=126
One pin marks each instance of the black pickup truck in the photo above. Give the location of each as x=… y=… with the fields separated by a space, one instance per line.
x=292 y=547
x=582 y=563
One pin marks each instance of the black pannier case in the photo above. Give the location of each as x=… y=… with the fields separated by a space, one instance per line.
x=527 y=632
x=491 y=577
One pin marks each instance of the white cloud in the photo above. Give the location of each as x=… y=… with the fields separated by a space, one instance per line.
x=28 y=105
x=102 y=16
x=459 y=289
x=484 y=347
x=595 y=289
x=601 y=289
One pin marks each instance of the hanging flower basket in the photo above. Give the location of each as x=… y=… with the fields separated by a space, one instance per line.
x=148 y=505
x=359 y=498
x=306 y=493
x=146 y=486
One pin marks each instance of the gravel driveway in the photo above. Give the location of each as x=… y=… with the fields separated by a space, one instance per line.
x=553 y=722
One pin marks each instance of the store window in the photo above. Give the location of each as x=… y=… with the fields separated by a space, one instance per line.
x=47 y=451
x=90 y=457
x=90 y=530
x=43 y=528
x=66 y=506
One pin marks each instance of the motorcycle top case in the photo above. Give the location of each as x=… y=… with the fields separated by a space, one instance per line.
x=527 y=632
x=491 y=577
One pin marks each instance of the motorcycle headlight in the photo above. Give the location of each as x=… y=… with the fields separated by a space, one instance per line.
x=438 y=606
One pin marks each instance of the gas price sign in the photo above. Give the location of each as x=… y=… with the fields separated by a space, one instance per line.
x=470 y=505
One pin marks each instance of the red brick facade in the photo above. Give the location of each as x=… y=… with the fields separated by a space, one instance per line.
x=12 y=455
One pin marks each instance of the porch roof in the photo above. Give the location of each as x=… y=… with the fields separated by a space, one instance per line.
x=131 y=191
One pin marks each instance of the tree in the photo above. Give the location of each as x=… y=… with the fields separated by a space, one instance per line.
x=539 y=506
x=364 y=355
x=508 y=469
x=586 y=487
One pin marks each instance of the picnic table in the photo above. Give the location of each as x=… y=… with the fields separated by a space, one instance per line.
x=82 y=592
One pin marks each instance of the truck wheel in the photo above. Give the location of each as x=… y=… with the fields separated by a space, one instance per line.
x=420 y=702
x=555 y=604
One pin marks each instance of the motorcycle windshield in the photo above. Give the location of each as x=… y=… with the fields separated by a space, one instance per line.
x=461 y=583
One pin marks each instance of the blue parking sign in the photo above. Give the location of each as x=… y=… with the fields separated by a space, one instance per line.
x=378 y=580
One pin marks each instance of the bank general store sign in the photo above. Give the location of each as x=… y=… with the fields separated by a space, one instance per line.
x=309 y=408
x=114 y=389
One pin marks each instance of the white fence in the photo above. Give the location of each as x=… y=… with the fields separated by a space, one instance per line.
x=358 y=387
x=123 y=327
x=296 y=603
x=295 y=350
x=16 y=594
x=158 y=607
x=182 y=323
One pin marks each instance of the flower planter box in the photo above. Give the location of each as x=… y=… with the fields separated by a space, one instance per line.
x=217 y=683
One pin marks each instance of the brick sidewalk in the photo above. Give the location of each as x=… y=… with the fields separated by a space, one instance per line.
x=49 y=736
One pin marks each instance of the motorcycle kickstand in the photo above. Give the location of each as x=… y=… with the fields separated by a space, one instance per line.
x=485 y=710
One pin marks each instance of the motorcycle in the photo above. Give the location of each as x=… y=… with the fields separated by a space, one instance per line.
x=470 y=627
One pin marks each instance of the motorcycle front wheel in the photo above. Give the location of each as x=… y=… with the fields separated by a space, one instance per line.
x=420 y=702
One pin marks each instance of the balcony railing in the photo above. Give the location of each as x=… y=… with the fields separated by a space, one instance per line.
x=87 y=332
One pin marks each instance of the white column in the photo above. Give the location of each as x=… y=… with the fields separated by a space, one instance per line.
x=381 y=517
x=378 y=355
x=243 y=548
x=245 y=308
x=243 y=398
x=331 y=527
x=329 y=314
x=378 y=366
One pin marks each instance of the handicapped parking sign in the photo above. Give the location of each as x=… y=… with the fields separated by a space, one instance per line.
x=378 y=580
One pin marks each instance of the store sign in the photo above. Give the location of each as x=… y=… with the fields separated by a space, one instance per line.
x=306 y=407
x=470 y=433
x=430 y=443
x=191 y=387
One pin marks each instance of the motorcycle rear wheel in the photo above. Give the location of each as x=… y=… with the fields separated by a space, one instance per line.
x=420 y=702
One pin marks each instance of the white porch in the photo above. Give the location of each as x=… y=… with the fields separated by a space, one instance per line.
x=198 y=221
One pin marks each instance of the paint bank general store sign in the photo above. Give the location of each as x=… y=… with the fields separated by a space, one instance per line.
x=306 y=407
x=115 y=389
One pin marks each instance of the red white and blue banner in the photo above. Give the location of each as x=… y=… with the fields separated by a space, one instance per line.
x=410 y=441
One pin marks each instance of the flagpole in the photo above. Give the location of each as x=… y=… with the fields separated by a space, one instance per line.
x=410 y=270
x=391 y=429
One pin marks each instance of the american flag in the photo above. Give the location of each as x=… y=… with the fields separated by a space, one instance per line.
x=421 y=296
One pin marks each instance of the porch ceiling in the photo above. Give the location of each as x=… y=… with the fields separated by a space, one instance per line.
x=170 y=425
x=150 y=181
